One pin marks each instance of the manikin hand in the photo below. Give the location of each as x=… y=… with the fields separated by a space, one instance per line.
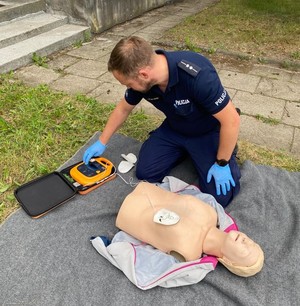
x=95 y=149
x=222 y=176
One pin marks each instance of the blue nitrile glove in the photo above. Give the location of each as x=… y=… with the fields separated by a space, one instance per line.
x=222 y=176
x=95 y=149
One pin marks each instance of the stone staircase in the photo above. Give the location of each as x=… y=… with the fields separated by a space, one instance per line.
x=25 y=29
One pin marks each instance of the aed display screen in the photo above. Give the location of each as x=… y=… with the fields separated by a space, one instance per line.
x=92 y=169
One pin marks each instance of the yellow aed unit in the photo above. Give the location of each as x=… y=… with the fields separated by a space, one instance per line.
x=95 y=171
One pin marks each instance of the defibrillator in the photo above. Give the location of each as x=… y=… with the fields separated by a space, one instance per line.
x=45 y=193
x=95 y=171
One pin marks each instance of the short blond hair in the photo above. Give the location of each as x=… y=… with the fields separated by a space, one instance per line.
x=245 y=271
x=129 y=55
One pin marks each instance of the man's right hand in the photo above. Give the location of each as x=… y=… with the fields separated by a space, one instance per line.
x=95 y=149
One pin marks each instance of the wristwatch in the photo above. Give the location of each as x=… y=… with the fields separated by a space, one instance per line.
x=222 y=162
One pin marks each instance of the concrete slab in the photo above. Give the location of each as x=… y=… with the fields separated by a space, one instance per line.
x=149 y=35
x=123 y=30
x=36 y=75
x=155 y=28
x=279 y=89
x=291 y=114
x=254 y=104
x=62 y=62
x=240 y=81
x=278 y=137
x=87 y=68
x=167 y=22
x=91 y=51
x=104 y=59
x=145 y=19
x=109 y=78
x=232 y=92
x=108 y=93
x=102 y=43
x=75 y=84
x=296 y=78
x=271 y=72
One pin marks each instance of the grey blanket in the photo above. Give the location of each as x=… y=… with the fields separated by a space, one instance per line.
x=50 y=261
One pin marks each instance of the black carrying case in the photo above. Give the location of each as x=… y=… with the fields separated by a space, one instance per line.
x=45 y=193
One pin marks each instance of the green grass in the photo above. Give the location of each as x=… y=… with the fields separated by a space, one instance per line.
x=40 y=129
x=40 y=60
x=270 y=121
x=281 y=8
x=254 y=27
x=264 y=156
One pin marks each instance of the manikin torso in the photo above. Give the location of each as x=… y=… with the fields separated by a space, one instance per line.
x=185 y=237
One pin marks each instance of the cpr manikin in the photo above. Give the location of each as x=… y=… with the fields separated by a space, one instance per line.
x=187 y=227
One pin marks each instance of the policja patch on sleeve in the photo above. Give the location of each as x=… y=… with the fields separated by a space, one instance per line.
x=189 y=67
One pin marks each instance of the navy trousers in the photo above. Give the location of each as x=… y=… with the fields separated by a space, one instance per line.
x=165 y=148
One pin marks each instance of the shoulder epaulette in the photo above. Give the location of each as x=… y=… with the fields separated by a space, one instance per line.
x=189 y=67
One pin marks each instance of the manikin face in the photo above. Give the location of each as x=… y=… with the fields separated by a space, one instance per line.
x=140 y=83
x=240 y=250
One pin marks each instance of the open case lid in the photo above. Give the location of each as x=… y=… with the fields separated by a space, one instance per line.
x=43 y=194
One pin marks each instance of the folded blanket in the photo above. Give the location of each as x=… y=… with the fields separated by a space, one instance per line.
x=51 y=261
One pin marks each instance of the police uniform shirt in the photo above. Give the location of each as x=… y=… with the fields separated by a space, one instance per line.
x=194 y=92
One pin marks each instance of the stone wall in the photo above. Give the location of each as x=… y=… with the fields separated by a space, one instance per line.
x=101 y=15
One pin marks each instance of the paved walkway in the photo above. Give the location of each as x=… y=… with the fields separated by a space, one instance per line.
x=262 y=92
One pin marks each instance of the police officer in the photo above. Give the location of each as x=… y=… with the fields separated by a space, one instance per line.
x=201 y=120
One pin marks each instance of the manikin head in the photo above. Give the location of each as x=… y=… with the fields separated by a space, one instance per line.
x=241 y=255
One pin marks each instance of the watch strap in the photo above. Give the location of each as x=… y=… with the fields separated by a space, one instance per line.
x=222 y=162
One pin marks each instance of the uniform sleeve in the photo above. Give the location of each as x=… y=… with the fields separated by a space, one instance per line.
x=209 y=91
x=132 y=97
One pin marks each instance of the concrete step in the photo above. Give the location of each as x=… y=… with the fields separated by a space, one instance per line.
x=26 y=27
x=11 y=9
x=20 y=53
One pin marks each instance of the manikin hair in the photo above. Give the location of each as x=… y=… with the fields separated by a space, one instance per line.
x=129 y=55
x=242 y=270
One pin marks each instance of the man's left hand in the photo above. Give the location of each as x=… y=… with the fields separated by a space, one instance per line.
x=222 y=176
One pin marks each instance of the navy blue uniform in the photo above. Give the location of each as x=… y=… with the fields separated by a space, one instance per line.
x=194 y=93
